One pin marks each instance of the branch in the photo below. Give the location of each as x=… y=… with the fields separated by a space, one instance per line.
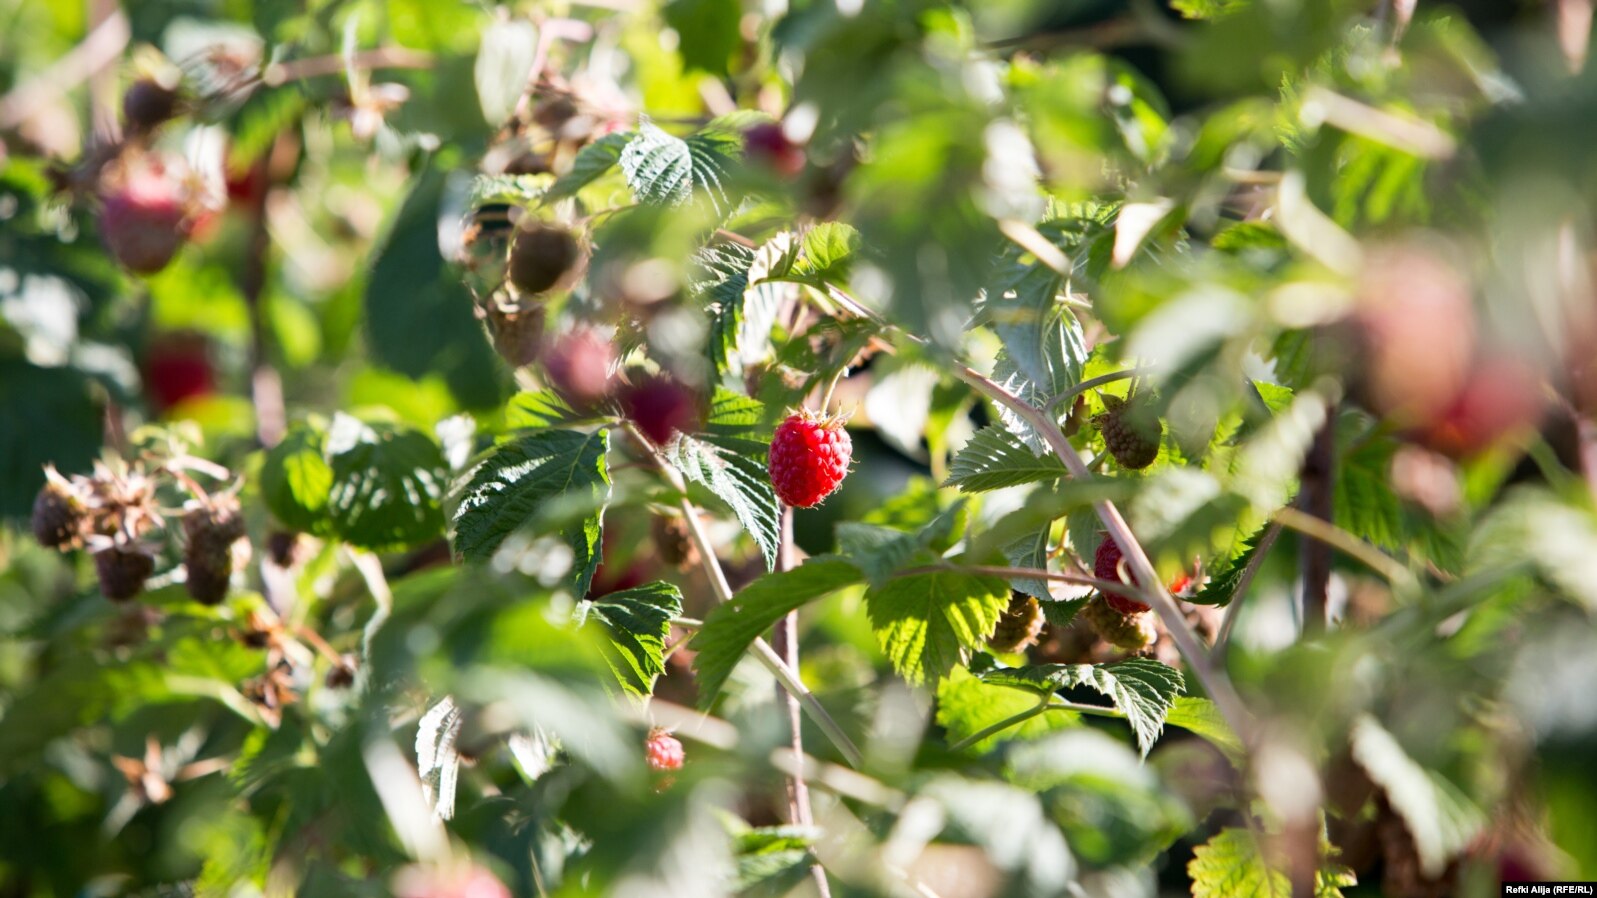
x=1246 y=580
x=99 y=49
x=1346 y=543
x=785 y=642
x=788 y=677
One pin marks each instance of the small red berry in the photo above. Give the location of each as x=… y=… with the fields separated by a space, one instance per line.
x=147 y=215
x=663 y=751
x=463 y=881
x=178 y=367
x=809 y=458
x=767 y=144
x=1106 y=566
x=580 y=366
x=660 y=407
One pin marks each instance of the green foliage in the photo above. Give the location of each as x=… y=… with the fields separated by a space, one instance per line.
x=1142 y=689
x=387 y=484
x=638 y=621
x=1231 y=864
x=929 y=623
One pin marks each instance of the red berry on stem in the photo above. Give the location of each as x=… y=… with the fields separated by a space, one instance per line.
x=809 y=458
x=147 y=213
x=660 y=407
x=662 y=751
x=579 y=365
x=1106 y=566
x=178 y=367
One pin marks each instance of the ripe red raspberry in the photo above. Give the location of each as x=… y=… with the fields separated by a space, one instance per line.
x=809 y=458
x=1131 y=430
x=661 y=406
x=580 y=367
x=146 y=216
x=1106 y=566
x=767 y=144
x=178 y=367
x=663 y=752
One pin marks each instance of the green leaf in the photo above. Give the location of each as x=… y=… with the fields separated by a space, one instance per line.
x=1441 y=820
x=730 y=628
x=771 y=860
x=966 y=705
x=732 y=414
x=49 y=415
x=638 y=621
x=1222 y=588
x=1032 y=552
x=877 y=551
x=928 y=624
x=734 y=469
x=520 y=190
x=1231 y=866
x=1208 y=9
x=295 y=480
x=707 y=32
x=535 y=410
x=508 y=51
x=721 y=281
x=994 y=459
x=1202 y=718
x=827 y=252
x=591 y=164
x=1141 y=688
x=388 y=484
x=543 y=476
x=658 y=166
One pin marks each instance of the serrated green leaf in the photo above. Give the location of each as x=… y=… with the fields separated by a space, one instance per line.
x=295 y=480
x=658 y=166
x=730 y=628
x=929 y=623
x=1032 y=552
x=966 y=705
x=1222 y=587
x=734 y=469
x=1142 y=689
x=994 y=459
x=1202 y=718
x=638 y=621
x=388 y=484
x=827 y=252
x=591 y=164
x=736 y=311
x=1231 y=866
x=528 y=478
x=877 y=551
x=732 y=414
x=520 y=190
x=532 y=410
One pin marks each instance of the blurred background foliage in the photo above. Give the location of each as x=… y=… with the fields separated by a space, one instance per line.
x=1346 y=245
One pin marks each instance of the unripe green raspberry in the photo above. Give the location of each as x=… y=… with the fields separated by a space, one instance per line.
x=1131 y=632
x=1018 y=626
x=1131 y=430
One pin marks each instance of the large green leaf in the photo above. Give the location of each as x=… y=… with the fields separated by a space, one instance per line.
x=388 y=484
x=734 y=469
x=1141 y=688
x=708 y=31
x=994 y=459
x=638 y=621
x=296 y=480
x=1230 y=865
x=730 y=628
x=929 y=623
x=592 y=162
x=49 y=416
x=966 y=705
x=553 y=477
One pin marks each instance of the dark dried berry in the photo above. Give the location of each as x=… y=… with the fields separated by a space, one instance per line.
x=342 y=674
x=1131 y=632
x=542 y=257
x=673 y=542
x=122 y=572
x=1131 y=430
x=58 y=514
x=1018 y=626
x=210 y=532
x=283 y=547
x=147 y=104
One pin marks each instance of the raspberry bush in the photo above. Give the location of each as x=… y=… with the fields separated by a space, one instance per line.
x=706 y=447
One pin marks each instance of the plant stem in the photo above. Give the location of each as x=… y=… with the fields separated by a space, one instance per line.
x=1346 y=543
x=784 y=641
x=1010 y=721
x=1316 y=499
x=785 y=675
x=1092 y=382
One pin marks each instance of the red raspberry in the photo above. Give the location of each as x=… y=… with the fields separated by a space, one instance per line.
x=178 y=367
x=663 y=751
x=661 y=406
x=767 y=144
x=809 y=458
x=579 y=367
x=1106 y=566
x=146 y=216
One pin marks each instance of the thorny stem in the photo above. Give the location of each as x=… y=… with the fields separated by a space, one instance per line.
x=1214 y=680
x=788 y=677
